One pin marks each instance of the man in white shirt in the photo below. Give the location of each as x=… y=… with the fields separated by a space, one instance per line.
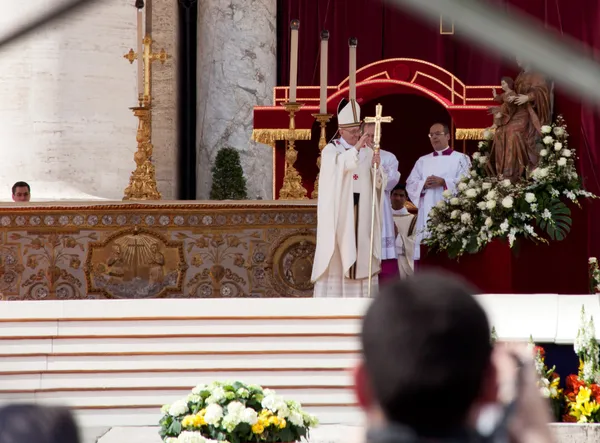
x=342 y=255
x=389 y=166
x=432 y=175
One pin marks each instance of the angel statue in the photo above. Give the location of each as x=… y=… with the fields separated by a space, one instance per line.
x=518 y=129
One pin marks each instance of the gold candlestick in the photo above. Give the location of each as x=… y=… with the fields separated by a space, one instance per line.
x=142 y=183
x=292 y=188
x=323 y=119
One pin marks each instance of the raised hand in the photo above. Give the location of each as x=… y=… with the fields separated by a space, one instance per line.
x=362 y=142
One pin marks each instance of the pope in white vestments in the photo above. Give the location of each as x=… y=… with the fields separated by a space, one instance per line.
x=432 y=175
x=341 y=264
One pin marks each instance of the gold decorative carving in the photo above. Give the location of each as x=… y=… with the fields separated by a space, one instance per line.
x=52 y=264
x=221 y=257
x=469 y=134
x=290 y=263
x=142 y=183
x=135 y=263
x=270 y=136
x=323 y=119
x=250 y=249
x=292 y=188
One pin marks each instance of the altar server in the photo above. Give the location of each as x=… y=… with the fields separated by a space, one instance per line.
x=389 y=166
x=341 y=264
x=432 y=175
x=406 y=224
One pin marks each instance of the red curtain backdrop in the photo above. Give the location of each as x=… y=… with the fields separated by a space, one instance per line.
x=386 y=32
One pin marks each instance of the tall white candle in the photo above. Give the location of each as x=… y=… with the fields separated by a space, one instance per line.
x=140 y=52
x=295 y=25
x=353 y=43
x=324 y=49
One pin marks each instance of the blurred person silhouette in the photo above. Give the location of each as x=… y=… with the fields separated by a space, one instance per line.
x=28 y=423
x=429 y=372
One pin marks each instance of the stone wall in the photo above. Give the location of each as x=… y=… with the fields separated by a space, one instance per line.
x=65 y=91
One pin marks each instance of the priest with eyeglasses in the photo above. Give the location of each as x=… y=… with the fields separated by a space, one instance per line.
x=432 y=174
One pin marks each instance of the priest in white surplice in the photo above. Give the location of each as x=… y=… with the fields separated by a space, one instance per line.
x=432 y=175
x=341 y=265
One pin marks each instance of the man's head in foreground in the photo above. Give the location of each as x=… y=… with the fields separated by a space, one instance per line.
x=21 y=192
x=427 y=355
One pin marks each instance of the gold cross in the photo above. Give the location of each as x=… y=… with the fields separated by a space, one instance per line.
x=148 y=57
x=378 y=120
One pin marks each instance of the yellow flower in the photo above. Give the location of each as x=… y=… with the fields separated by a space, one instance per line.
x=282 y=424
x=195 y=421
x=584 y=394
x=187 y=421
x=274 y=421
x=199 y=420
x=257 y=428
x=583 y=409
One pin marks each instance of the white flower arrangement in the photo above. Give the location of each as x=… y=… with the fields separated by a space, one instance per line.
x=533 y=208
x=586 y=348
x=594 y=272
x=234 y=412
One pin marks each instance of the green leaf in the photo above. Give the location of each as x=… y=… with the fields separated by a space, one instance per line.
x=559 y=225
x=175 y=428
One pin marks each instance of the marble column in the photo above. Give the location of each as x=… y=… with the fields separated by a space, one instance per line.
x=237 y=69
x=164 y=30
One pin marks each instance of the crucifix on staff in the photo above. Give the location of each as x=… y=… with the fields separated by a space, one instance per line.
x=378 y=120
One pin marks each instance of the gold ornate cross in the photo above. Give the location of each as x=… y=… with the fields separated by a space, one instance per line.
x=378 y=120
x=147 y=57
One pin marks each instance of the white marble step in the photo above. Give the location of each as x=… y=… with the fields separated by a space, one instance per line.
x=173 y=326
x=157 y=398
x=184 y=308
x=173 y=344
x=189 y=379
x=307 y=360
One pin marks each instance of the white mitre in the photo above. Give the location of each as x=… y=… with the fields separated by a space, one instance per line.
x=348 y=113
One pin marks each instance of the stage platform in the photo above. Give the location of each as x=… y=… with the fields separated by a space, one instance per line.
x=116 y=250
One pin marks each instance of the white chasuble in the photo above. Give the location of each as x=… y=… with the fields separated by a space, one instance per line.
x=449 y=165
x=341 y=264
x=389 y=166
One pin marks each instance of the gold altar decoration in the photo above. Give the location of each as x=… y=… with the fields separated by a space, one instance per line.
x=270 y=136
x=147 y=58
x=469 y=134
x=142 y=183
x=138 y=262
x=323 y=119
x=149 y=250
x=292 y=188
